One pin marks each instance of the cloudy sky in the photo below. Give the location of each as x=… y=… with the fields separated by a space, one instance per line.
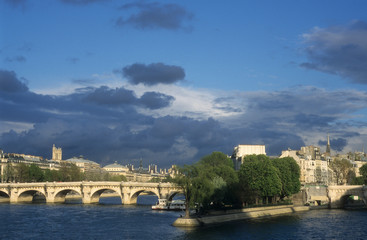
x=171 y=81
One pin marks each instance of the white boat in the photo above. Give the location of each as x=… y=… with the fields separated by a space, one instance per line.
x=164 y=204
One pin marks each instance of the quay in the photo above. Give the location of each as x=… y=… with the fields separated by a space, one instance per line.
x=238 y=214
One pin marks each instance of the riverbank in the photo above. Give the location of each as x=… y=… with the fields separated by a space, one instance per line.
x=238 y=214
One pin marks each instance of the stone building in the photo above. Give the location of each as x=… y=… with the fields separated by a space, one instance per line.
x=85 y=165
x=116 y=169
x=313 y=165
x=56 y=153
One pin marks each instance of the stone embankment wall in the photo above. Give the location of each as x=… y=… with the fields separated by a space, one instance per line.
x=238 y=214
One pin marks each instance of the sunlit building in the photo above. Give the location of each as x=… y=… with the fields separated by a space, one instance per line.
x=241 y=151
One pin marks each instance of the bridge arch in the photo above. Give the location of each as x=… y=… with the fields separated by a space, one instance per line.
x=134 y=195
x=31 y=195
x=4 y=196
x=60 y=196
x=172 y=194
x=352 y=201
x=96 y=195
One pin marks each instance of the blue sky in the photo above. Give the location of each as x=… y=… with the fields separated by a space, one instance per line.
x=172 y=81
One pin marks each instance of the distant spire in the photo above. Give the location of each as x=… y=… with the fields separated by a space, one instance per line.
x=328 y=145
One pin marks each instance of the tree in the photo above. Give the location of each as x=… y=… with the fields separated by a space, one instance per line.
x=289 y=174
x=218 y=170
x=259 y=178
x=117 y=178
x=341 y=168
x=69 y=172
x=35 y=173
x=184 y=179
x=51 y=175
x=9 y=173
x=22 y=172
x=363 y=172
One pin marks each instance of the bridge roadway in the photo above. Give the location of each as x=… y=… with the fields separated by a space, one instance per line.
x=90 y=192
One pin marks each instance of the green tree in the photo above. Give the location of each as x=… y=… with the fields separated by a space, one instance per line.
x=51 y=175
x=69 y=172
x=363 y=172
x=9 y=173
x=341 y=168
x=185 y=179
x=117 y=178
x=289 y=174
x=259 y=178
x=22 y=172
x=35 y=173
x=217 y=169
x=357 y=181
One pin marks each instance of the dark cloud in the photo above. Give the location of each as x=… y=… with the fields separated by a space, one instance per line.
x=155 y=15
x=107 y=125
x=121 y=96
x=10 y=83
x=105 y=95
x=155 y=100
x=340 y=50
x=16 y=59
x=153 y=74
x=82 y=2
x=336 y=144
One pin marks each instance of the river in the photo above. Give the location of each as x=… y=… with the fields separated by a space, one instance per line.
x=110 y=220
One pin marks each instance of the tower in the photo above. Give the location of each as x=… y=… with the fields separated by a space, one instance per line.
x=328 y=145
x=56 y=153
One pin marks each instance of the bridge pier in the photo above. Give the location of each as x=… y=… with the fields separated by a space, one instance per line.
x=13 y=195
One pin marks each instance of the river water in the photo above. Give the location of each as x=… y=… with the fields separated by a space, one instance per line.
x=110 y=220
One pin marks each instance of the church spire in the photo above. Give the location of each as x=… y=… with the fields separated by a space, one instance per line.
x=328 y=144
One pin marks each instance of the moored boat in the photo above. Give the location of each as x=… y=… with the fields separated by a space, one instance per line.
x=174 y=205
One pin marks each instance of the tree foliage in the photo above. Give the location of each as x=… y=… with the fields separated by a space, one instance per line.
x=69 y=172
x=363 y=172
x=185 y=179
x=208 y=181
x=289 y=174
x=212 y=182
x=341 y=169
x=259 y=178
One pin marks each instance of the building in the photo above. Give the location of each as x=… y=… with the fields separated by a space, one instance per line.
x=56 y=153
x=14 y=159
x=116 y=169
x=241 y=151
x=85 y=165
x=313 y=165
x=139 y=174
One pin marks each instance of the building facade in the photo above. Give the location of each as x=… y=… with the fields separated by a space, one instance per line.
x=56 y=153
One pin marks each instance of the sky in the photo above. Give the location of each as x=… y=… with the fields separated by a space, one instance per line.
x=168 y=82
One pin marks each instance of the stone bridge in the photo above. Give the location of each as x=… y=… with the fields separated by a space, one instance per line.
x=337 y=195
x=90 y=192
